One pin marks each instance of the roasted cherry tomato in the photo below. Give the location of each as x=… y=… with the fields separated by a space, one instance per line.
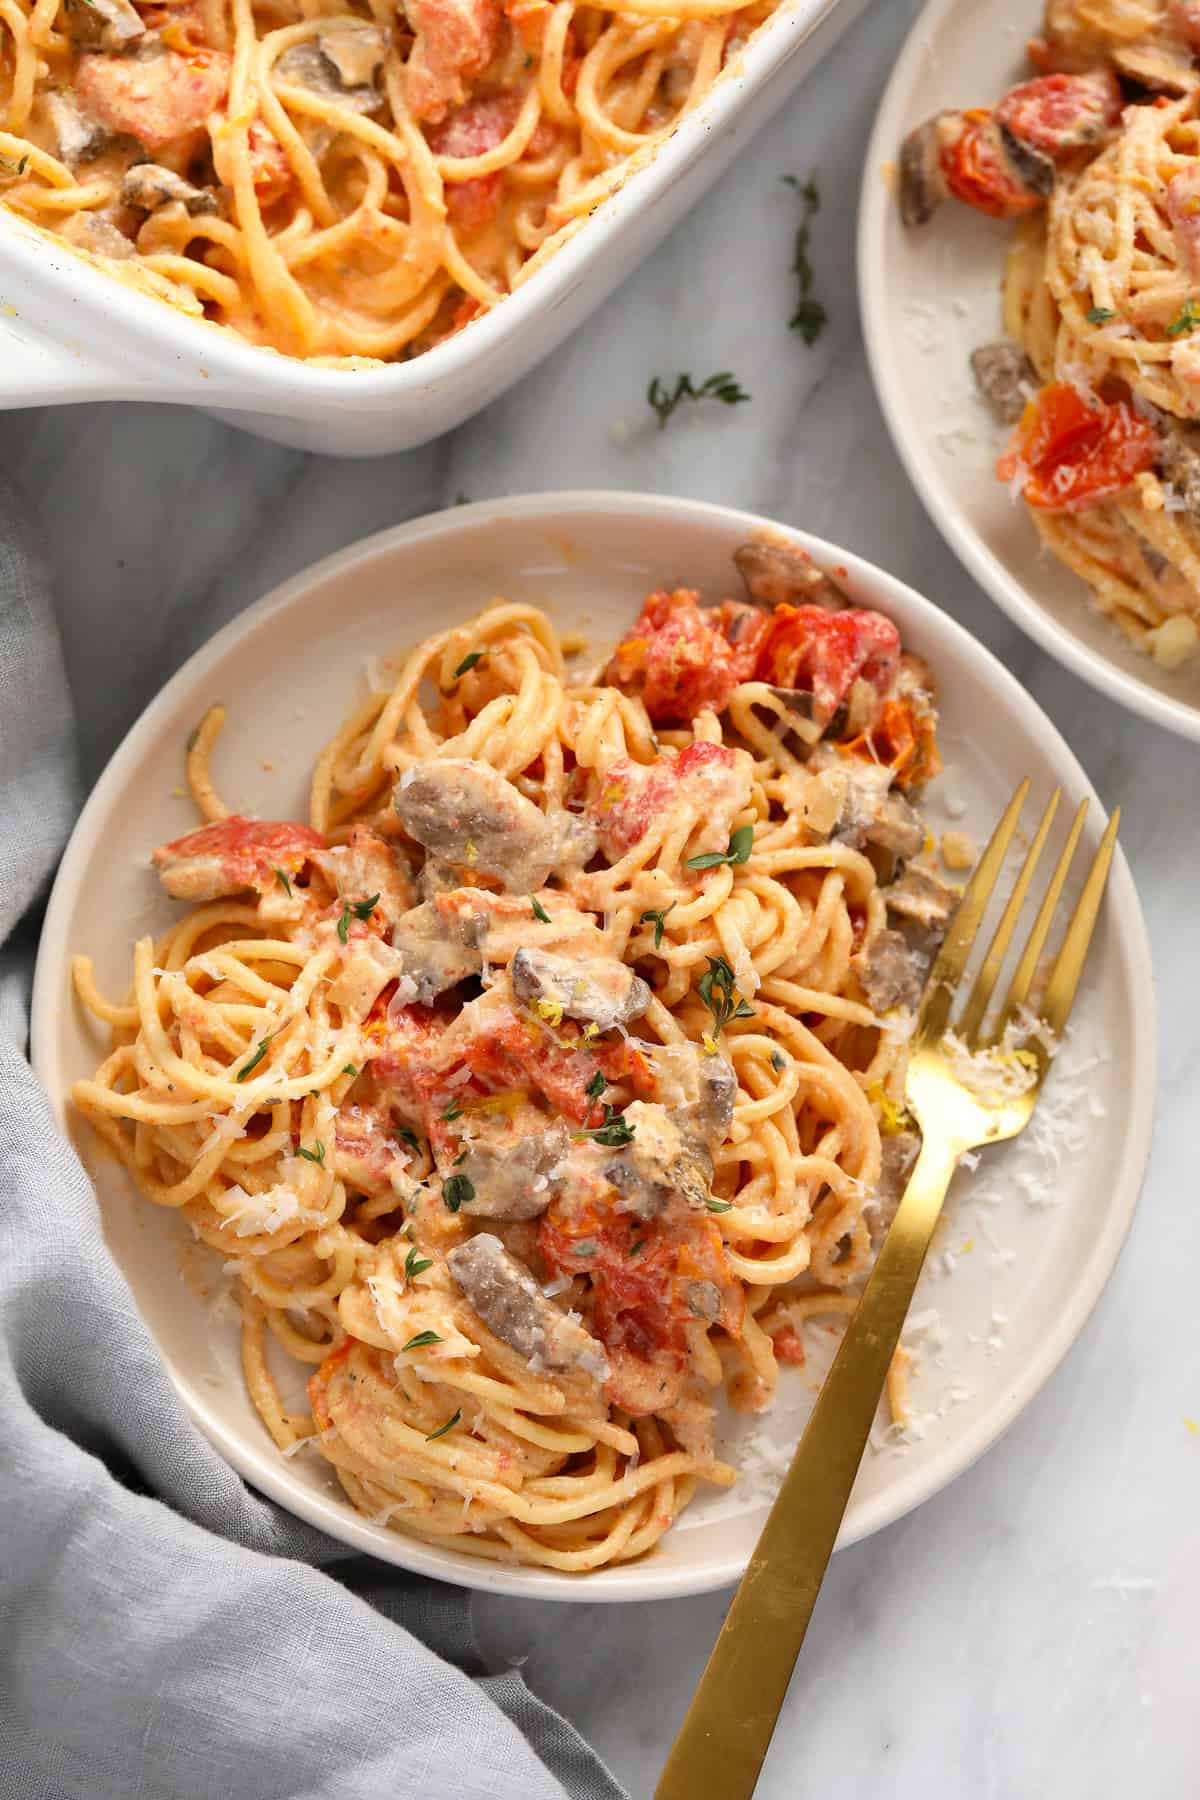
x=682 y=658
x=1074 y=451
x=1059 y=113
x=825 y=653
x=977 y=172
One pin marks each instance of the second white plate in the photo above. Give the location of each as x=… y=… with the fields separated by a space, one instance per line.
x=929 y=297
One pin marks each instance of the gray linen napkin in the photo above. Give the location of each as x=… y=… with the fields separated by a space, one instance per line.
x=164 y=1631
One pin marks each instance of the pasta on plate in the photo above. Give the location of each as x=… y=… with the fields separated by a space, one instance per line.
x=1097 y=160
x=340 y=181
x=543 y=1082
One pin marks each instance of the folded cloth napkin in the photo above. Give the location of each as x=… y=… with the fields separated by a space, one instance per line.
x=164 y=1631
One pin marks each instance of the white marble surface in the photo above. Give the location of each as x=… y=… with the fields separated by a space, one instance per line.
x=1032 y=1631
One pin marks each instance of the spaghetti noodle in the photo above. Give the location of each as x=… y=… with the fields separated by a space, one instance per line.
x=340 y=183
x=553 y=1074
x=1101 y=298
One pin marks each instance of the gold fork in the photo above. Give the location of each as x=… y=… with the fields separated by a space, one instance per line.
x=727 y=1731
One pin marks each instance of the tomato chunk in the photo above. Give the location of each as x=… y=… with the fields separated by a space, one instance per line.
x=681 y=658
x=977 y=172
x=561 y=1064
x=1059 y=113
x=825 y=653
x=644 y=1276
x=455 y=40
x=1073 y=452
x=635 y=794
x=232 y=855
x=788 y=1346
x=159 y=100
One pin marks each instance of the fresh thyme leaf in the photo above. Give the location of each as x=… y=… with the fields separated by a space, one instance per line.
x=718 y=1206
x=358 y=909
x=457 y=1190
x=422 y=1340
x=415 y=1264
x=722 y=386
x=596 y=1086
x=460 y=1158
x=810 y=317
x=539 y=911
x=407 y=1136
x=314 y=1156
x=451 y=1422
x=660 y=919
x=613 y=1130
x=778 y=1062
x=247 y=1068
x=453 y=1111
x=640 y=1245
x=741 y=843
x=282 y=879
x=718 y=991
x=1099 y=315
x=350 y=1069
x=468 y=663
x=1188 y=319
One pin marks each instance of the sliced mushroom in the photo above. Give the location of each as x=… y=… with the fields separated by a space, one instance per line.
x=509 y=1161
x=467 y=813
x=1179 y=461
x=698 y=1089
x=890 y=972
x=1004 y=375
x=78 y=136
x=148 y=186
x=1032 y=168
x=874 y=813
x=922 y=184
x=662 y=1164
x=100 y=236
x=774 y=573
x=920 y=898
x=436 y=955
x=102 y=24
x=357 y=52
x=601 y=989
x=319 y=64
x=1163 y=68
x=512 y=1306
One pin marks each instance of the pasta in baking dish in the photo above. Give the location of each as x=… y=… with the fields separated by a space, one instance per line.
x=1097 y=159
x=541 y=1085
x=340 y=180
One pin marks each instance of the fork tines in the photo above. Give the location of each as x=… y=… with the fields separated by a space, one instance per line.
x=1059 y=991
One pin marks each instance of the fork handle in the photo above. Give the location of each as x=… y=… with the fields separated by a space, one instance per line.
x=727 y=1730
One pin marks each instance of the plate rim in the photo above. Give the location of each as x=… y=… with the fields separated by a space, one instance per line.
x=1012 y=596
x=634 y=1581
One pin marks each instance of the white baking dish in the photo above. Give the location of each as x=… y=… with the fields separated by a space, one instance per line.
x=70 y=333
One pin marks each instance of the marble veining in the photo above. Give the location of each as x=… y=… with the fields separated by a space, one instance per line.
x=1031 y=1631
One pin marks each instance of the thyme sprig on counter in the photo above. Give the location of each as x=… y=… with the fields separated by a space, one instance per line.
x=722 y=386
x=810 y=317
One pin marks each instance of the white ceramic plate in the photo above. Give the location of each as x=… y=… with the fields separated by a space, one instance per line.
x=929 y=296
x=1024 y=1275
